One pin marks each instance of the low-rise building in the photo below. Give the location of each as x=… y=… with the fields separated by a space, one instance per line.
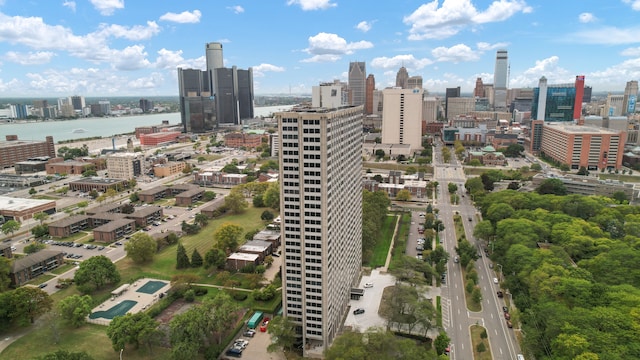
x=260 y=247
x=114 y=230
x=212 y=210
x=100 y=219
x=97 y=184
x=237 y=261
x=57 y=166
x=270 y=236
x=21 y=209
x=152 y=195
x=69 y=226
x=168 y=169
x=5 y=250
x=189 y=197
x=30 y=166
x=155 y=139
x=29 y=267
x=487 y=156
x=146 y=215
x=237 y=140
x=114 y=208
x=208 y=178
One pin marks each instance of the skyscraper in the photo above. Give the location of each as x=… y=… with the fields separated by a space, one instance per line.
x=197 y=105
x=577 y=108
x=402 y=78
x=479 y=89
x=450 y=93
x=330 y=95
x=357 y=82
x=78 y=102
x=402 y=117
x=213 y=55
x=558 y=102
x=500 y=79
x=370 y=87
x=630 y=96
x=321 y=212
x=414 y=82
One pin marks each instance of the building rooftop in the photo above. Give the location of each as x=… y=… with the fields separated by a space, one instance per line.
x=69 y=221
x=190 y=192
x=144 y=211
x=580 y=129
x=30 y=260
x=104 y=208
x=20 y=204
x=97 y=180
x=153 y=190
x=243 y=256
x=115 y=224
x=11 y=143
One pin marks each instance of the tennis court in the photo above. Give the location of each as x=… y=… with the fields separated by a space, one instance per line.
x=117 y=310
x=151 y=286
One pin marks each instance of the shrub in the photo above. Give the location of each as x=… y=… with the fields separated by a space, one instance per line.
x=190 y=295
x=239 y=295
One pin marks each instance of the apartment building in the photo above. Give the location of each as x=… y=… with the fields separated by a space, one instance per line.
x=124 y=165
x=321 y=212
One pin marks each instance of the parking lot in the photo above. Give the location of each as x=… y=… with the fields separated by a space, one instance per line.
x=370 y=302
x=257 y=347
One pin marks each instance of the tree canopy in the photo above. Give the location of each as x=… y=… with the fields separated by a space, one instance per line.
x=141 y=248
x=96 y=272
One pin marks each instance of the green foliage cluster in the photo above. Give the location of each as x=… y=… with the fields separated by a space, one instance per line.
x=96 y=272
x=71 y=153
x=377 y=344
x=571 y=264
x=266 y=294
x=374 y=210
x=22 y=306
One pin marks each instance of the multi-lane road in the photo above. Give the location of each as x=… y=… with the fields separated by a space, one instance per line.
x=457 y=319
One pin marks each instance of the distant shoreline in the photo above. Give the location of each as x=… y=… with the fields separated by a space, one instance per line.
x=31 y=121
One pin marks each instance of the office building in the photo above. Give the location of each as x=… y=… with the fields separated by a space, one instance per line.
x=613 y=105
x=330 y=95
x=460 y=106
x=500 y=80
x=377 y=102
x=414 y=82
x=370 y=88
x=13 y=150
x=577 y=146
x=402 y=117
x=146 y=105
x=234 y=95
x=321 y=213
x=357 y=83
x=78 y=103
x=559 y=102
x=105 y=107
x=124 y=166
x=197 y=105
x=402 y=78
x=450 y=93
x=629 y=99
x=213 y=55
x=478 y=91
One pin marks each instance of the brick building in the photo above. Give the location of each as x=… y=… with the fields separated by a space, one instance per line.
x=146 y=215
x=13 y=150
x=97 y=184
x=29 y=267
x=70 y=167
x=262 y=248
x=168 y=169
x=160 y=138
x=20 y=209
x=114 y=230
x=190 y=196
x=237 y=140
x=69 y=226
x=237 y=260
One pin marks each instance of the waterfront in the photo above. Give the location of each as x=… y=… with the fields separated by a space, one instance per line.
x=105 y=127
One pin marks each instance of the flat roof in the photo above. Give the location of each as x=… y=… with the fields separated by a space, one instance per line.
x=190 y=192
x=257 y=243
x=103 y=208
x=10 y=143
x=580 y=129
x=31 y=162
x=107 y=216
x=144 y=211
x=153 y=190
x=71 y=162
x=243 y=256
x=97 y=180
x=21 y=204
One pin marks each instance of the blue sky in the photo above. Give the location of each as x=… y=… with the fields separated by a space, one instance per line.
x=127 y=47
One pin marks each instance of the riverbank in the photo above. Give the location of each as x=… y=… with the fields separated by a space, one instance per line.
x=96 y=145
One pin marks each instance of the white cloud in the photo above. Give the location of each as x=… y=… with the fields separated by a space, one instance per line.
x=329 y=47
x=455 y=54
x=631 y=52
x=130 y=58
x=484 y=46
x=70 y=4
x=259 y=70
x=606 y=35
x=613 y=76
x=30 y=58
x=430 y=21
x=586 y=17
x=308 y=5
x=107 y=7
x=236 y=9
x=152 y=81
x=549 y=68
x=408 y=61
x=635 y=4
x=133 y=33
x=364 y=26
x=185 y=17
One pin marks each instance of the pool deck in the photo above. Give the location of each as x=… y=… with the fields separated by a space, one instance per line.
x=144 y=301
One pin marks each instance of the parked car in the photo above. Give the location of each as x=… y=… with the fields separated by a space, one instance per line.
x=368 y=285
x=500 y=294
x=495 y=280
x=249 y=333
x=509 y=324
x=507 y=316
x=42 y=286
x=358 y=311
x=505 y=309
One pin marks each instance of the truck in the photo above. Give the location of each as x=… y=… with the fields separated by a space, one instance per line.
x=255 y=320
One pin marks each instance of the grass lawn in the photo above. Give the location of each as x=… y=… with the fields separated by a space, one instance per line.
x=394 y=166
x=90 y=338
x=400 y=242
x=625 y=178
x=76 y=236
x=471 y=305
x=476 y=340
x=45 y=197
x=40 y=279
x=62 y=269
x=382 y=248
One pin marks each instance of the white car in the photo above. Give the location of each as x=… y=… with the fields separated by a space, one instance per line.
x=368 y=285
x=495 y=280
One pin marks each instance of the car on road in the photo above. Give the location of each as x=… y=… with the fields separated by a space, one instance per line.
x=420 y=248
x=500 y=294
x=495 y=280
x=358 y=311
x=470 y=219
x=509 y=324
x=368 y=285
x=456 y=259
x=42 y=286
x=507 y=316
x=505 y=309
x=118 y=243
x=233 y=352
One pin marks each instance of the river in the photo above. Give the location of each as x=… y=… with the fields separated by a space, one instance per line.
x=105 y=127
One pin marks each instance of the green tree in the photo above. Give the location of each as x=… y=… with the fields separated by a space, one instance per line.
x=10 y=227
x=258 y=202
x=536 y=167
x=5 y=280
x=236 y=202
x=583 y=171
x=620 y=197
x=227 y=237
x=75 y=308
x=201 y=219
x=187 y=169
x=96 y=272
x=65 y=355
x=132 y=329
x=196 y=259
x=266 y=215
x=27 y=303
x=134 y=197
x=551 y=186
x=403 y=195
x=379 y=153
x=514 y=150
x=209 y=195
x=33 y=248
x=452 y=187
x=182 y=259
x=283 y=330
x=271 y=196
x=141 y=248
x=215 y=258
x=441 y=343
x=33 y=191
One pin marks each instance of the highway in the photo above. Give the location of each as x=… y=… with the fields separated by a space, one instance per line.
x=457 y=319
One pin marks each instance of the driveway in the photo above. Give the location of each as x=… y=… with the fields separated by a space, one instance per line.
x=370 y=302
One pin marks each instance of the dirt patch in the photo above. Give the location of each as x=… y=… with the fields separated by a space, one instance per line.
x=178 y=307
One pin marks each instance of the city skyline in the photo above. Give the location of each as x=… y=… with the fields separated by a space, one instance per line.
x=111 y=47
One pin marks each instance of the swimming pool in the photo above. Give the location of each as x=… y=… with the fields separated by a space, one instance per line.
x=151 y=286
x=117 y=310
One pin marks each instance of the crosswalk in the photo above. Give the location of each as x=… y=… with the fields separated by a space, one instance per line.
x=445 y=304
